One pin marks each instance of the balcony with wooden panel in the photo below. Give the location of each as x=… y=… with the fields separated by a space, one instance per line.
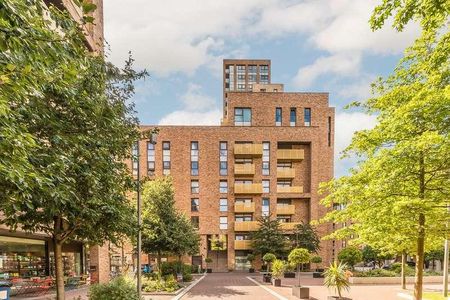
x=245 y=207
x=242 y=244
x=290 y=154
x=286 y=209
x=288 y=226
x=290 y=189
x=285 y=172
x=244 y=169
x=248 y=188
x=246 y=226
x=248 y=150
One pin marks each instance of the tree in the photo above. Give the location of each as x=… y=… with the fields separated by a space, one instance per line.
x=336 y=276
x=164 y=229
x=316 y=260
x=306 y=236
x=370 y=254
x=268 y=258
x=70 y=109
x=350 y=256
x=299 y=256
x=269 y=238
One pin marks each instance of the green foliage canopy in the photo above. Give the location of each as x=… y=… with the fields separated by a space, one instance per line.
x=350 y=256
x=269 y=238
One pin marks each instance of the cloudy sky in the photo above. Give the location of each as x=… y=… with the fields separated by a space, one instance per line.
x=314 y=45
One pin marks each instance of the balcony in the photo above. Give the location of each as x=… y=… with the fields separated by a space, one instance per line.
x=246 y=150
x=242 y=244
x=285 y=173
x=244 y=169
x=248 y=188
x=290 y=189
x=246 y=226
x=285 y=209
x=246 y=207
x=290 y=154
x=288 y=226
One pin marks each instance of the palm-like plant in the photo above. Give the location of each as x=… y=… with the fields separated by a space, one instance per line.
x=336 y=276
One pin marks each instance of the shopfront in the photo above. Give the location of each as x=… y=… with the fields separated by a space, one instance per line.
x=27 y=257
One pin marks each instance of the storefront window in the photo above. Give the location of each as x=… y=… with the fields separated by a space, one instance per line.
x=72 y=264
x=23 y=258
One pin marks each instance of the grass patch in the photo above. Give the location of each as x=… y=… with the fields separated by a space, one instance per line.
x=434 y=296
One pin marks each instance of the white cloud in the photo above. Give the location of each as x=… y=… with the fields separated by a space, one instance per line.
x=358 y=89
x=341 y=64
x=346 y=124
x=198 y=109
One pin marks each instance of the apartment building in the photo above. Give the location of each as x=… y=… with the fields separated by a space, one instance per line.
x=26 y=255
x=267 y=158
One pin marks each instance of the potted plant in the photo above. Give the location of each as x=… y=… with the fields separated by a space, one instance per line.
x=251 y=259
x=297 y=257
x=277 y=272
x=268 y=258
x=336 y=276
x=208 y=260
x=316 y=260
x=289 y=270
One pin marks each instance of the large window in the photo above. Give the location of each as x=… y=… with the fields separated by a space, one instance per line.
x=195 y=204
x=293 y=117
x=223 y=158
x=166 y=157
x=242 y=116
x=265 y=207
x=264 y=74
x=223 y=222
x=194 y=158
x=223 y=204
x=150 y=158
x=223 y=187
x=195 y=220
x=278 y=116
x=195 y=188
x=307 y=116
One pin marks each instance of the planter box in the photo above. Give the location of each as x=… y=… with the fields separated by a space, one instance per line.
x=251 y=270
x=208 y=270
x=276 y=282
x=317 y=275
x=289 y=275
x=267 y=278
x=392 y=280
x=300 y=292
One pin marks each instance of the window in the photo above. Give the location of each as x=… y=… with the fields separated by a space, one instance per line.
x=150 y=158
x=243 y=218
x=223 y=187
x=242 y=117
x=265 y=207
x=278 y=116
x=329 y=131
x=284 y=219
x=293 y=117
x=307 y=116
x=223 y=158
x=135 y=155
x=194 y=158
x=194 y=204
x=223 y=168
x=242 y=237
x=266 y=158
x=284 y=183
x=223 y=223
x=166 y=158
x=241 y=86
x=195 y=188
x=223 y=204
x=264 y=74
x=266 y=186
x=195 y=221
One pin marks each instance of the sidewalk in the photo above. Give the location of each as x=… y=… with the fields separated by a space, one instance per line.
x=76 y=294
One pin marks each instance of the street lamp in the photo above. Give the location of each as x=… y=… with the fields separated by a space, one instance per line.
x=139 y=214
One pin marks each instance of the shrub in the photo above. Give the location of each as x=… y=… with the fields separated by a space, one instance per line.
x=376 y=273
x=187 y=277
x=118 y=289
x=337 y=277
x=397 y=268
x=172 y=268
x=171 y=284
x=277 y=268
x=350 y=256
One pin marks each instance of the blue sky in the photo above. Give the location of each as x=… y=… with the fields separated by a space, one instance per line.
x=316 y=45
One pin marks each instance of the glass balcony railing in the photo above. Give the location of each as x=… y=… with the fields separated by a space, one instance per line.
x=248 y=188
x=244 y=169
x=247 y=207
x=290 y=154
x=285 y=173
x=248 y=149
x=290 y=189
x=246 y=226
x=285 y=209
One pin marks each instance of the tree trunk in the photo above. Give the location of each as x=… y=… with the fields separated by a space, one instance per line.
x=403 y=270
x=59 y=271
x=298 y=274
x=419 y=259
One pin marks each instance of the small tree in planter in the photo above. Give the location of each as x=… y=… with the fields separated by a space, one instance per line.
x=277 y=271
x=268 y=258
x=316 y=260
x=208 y=261
x=297 y=257
x=289 y=270
x=251 y=258
x=336 y=276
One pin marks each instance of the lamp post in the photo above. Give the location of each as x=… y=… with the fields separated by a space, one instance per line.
x=139 y=237
x=445 y=269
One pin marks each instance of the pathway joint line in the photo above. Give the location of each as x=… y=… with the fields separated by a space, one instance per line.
x=273 y=293
x=180 y=295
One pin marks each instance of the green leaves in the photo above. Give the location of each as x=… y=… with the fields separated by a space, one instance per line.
x=88 y=7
